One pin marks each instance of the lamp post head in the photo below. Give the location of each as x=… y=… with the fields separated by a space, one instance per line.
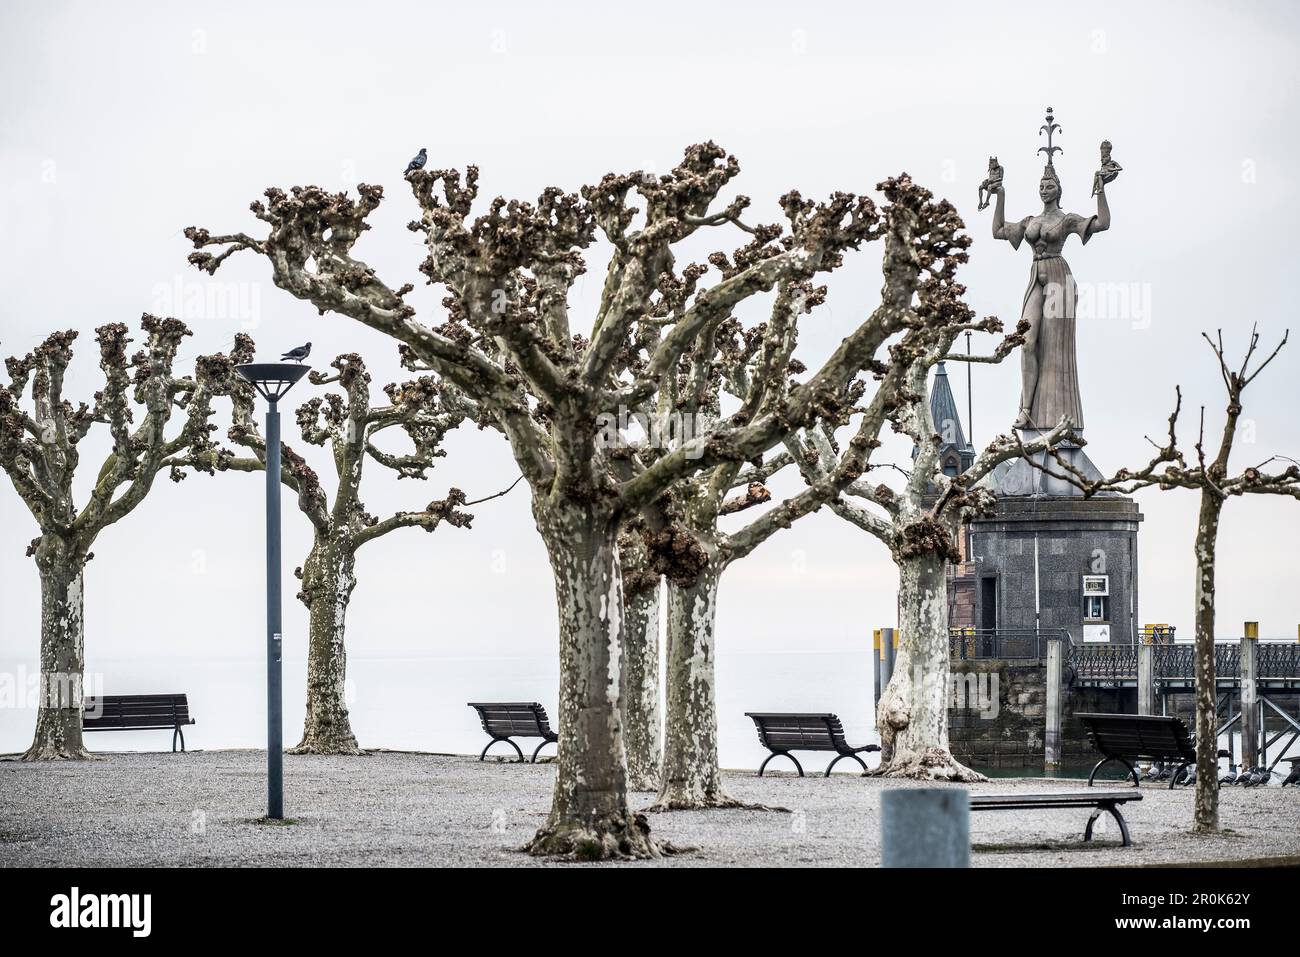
x=272 y=379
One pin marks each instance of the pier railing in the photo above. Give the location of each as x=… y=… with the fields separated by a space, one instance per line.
x=1274 y=660
x=1009 y=643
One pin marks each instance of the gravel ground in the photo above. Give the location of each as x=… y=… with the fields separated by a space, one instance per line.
x=397 y=808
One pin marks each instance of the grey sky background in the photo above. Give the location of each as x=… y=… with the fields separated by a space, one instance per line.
x=121 y=124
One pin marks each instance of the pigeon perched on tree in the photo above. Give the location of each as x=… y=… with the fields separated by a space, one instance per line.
x=419 y=161
x=297 y=355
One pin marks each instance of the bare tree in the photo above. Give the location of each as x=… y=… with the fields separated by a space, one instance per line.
x=350 y=426
x=693 y=552
x=1209 y=475
x=508 y=345
x=919 y=523
x=41 y=453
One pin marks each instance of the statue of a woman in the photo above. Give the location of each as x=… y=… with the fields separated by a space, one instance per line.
x=1049 y=372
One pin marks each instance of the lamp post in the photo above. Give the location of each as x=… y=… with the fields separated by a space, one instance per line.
x=272 y=380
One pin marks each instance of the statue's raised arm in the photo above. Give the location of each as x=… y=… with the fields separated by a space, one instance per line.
x=1000 y=216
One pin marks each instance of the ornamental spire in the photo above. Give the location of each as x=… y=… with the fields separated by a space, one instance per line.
x=1050 y=127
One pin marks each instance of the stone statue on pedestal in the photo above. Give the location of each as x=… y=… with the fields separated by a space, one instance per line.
x=1048 y=368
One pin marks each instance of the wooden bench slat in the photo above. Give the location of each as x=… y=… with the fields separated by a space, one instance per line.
x=504 y=720
x=1101 y=801
x=783 y=732
x=152 y=712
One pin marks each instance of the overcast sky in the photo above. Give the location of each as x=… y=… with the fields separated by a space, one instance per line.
x=121 y=124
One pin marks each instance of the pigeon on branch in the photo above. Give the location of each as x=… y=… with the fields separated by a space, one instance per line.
x=419 y=161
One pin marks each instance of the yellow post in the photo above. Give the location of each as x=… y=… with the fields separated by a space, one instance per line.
x=1252 y=629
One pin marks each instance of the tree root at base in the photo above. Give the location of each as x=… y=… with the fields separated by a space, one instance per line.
x=56 y=752
x=722 y=802
x=934 y=764
x=610 y=838
x=316 y=745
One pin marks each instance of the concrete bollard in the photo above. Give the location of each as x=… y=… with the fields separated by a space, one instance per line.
x=925 y=827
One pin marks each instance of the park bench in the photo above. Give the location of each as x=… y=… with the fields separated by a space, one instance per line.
x=138 y=712
x=1100 y=801
x=783 y=733
x=1127 y=738
x=1294 y=776
x=503 y=720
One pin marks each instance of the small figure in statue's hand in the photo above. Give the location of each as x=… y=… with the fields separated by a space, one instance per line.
x=992 y=184
x=1109 y=169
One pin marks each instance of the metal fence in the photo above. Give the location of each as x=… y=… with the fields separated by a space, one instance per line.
x=1274 y=659
x=1010 y=643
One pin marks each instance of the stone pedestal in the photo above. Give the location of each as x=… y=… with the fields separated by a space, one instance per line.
x=1034 y=557
x=1048 y=558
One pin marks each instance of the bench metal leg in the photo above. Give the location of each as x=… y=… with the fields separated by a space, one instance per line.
x=176 y=732
x=840 y=758
x=1177 y=773
x=787 y=754
x=538 y=750
x=483 y=753
x=1113 y=811
x=1131 y=770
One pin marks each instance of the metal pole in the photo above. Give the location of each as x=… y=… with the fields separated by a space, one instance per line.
x=877 y=687
x=887 y=669
x=274 y=704
x=970 y=403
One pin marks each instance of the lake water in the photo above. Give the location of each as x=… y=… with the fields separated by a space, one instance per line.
x=418 y=703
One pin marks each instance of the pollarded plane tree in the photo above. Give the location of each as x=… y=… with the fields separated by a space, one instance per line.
x=918 y=521
x=345 y=422
x=1210 y=476
x=40 y=451
x=507 y=343
x=757 y=368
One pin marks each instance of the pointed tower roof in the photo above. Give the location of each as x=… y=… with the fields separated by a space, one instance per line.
x=943 y=412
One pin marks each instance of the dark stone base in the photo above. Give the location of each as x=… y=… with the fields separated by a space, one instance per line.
x=1030 y=558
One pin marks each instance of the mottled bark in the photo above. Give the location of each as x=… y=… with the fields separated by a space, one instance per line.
x=1206 y=813
x=589 y=818
x=59 y=707
x=691 y=777
x=913 y=710
x=639 y=700
x=328 y=579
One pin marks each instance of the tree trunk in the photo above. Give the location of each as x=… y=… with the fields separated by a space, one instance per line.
x=589 y=817
x=642 y=719
x=691 y=778
x=328 y=579
x=913 y=711
x=63 y=661
x=1206 y=815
